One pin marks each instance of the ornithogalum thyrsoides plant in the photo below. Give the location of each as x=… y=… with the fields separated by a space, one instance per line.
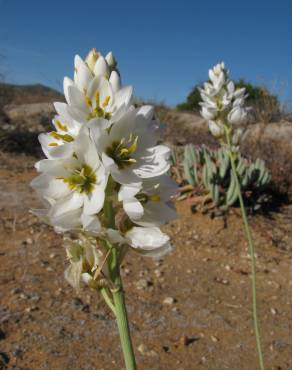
x=104 y=183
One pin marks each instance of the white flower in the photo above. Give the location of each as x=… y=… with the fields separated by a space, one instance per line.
x=84 y=259
x=150 y=241
x=75 y=183
x=99 y=101
x=148 y=203
x=222 y=104
x=218 y=75
x=59 y=143
x=95 y=65
x=129 y=151
x=237 y=116
x=216 y=128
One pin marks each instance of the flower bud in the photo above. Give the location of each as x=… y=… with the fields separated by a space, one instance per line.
x=208 y=113
x=216 y=128
x=237 y=115
x=111 y=60
x=91 y=58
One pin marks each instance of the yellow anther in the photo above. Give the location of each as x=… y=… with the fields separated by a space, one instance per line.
x=88 y=101
x=65 y=137
x=124 y=151
x=97 y=98
x=131 y=160
x=61 y=126
x=53 y=144
x=133 y=147
x=106 y=101
x=55 y=135
x=155 y=198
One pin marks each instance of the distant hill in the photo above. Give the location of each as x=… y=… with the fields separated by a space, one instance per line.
x=27 y=94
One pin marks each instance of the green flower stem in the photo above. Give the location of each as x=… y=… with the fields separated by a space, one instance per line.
x=121 y=314
x=251 y=252
x=118 y=305
x=108 y=300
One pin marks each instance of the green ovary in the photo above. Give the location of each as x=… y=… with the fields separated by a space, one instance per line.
x=82 y=179
x=122 y=151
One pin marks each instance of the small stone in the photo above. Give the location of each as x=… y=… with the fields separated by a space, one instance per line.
x=143 y=284
x=29 y=241
x=214 y=339
x=274 y=311
x=169 y=300
x=143 y=349
x=157 y=273
x=35 y=298
x=23 y=296
x=52 y=255
x=32 y=309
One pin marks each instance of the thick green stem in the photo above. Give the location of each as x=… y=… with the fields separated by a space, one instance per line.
x=118 y=305
x=121 y=316
x=252 y=256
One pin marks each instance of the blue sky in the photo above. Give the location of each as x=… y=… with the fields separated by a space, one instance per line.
x=163 y=47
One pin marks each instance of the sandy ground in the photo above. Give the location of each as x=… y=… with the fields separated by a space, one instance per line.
x=191 y=310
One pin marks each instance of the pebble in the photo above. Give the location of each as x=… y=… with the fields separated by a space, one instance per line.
x=143 y=349
x=169 y=300
x=29 y=241
x=274 y=311
x=32 y=309
x=143 y=284
x=157 y=273
x=214 y=339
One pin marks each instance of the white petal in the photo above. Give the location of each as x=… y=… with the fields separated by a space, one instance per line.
x=91 y=223
x=110 y=59
x=83 y=76
x=133 y=208
x=93 y=202
x=147 y=238
x=70 y=203
x=61 y=109
x=101 y=67
x=158 y=252
x=129 y=191
x=66 y=84
x=77 y=99
x=123 y=96
x=50 y=187
x=115 y=81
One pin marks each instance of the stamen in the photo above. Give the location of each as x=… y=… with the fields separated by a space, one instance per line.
x=106 y=101
x=97 y=98
x=88 y=101
x=61 y=126
x=155 y=198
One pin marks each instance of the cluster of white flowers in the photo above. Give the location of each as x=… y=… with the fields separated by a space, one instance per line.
x=223 y=104
x=103 y=149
